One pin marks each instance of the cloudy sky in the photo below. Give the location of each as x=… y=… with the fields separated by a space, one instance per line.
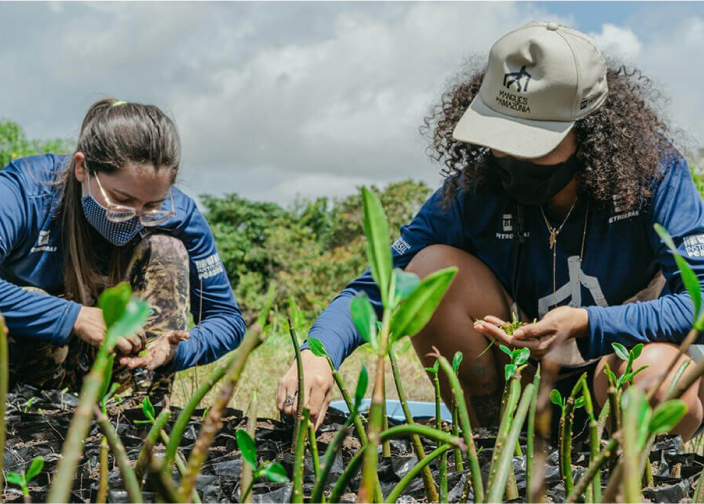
x=277 y=100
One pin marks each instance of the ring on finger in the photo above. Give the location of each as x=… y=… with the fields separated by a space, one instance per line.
x=288 y=401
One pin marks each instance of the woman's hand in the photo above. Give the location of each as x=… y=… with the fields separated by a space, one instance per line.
x=556 y=327
x=90 y=327
x=160 y=351
x=318 y=387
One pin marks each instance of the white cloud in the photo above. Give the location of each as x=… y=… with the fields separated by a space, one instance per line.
x=277 y=99
x=618 y=42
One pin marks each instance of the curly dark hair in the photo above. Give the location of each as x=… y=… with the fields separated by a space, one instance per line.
x=620 y=144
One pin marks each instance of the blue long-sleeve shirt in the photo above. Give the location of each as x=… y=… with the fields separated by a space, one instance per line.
x=31 y=254
x=622 y=254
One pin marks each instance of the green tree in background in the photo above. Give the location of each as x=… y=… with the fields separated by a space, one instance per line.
x=310 y=249
x=14 y=144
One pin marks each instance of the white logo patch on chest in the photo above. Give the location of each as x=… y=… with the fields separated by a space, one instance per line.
x=43 y=243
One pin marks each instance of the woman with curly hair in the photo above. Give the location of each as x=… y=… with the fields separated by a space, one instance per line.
x=556 y=167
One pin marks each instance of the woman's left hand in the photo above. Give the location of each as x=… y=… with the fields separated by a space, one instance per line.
x=159 y=352
x=556 y=327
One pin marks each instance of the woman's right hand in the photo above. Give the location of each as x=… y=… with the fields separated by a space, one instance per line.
x=318 y=387
x=90 y=327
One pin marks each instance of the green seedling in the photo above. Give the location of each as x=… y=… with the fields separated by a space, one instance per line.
x=629 y=357
x=28 y=404
x=519 y=356
x=149 y=412
x=273 y=471
x=23 y=479
x=408 y=304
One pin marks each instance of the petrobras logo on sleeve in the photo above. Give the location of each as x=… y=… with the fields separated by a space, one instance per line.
x=694 y=245
x=209 y=267
x=401 y=246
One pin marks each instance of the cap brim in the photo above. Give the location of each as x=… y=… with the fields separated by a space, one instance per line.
x=483 y=126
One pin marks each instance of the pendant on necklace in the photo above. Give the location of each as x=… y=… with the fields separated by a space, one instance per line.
x=553 y=238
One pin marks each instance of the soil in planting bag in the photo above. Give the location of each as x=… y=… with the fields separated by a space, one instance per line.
x=278 y=496
x=673 y=492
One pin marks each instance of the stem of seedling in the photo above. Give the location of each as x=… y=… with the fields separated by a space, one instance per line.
x=411 y=475
x=543 y=415
x=215 y=376
x=358 y=420
x=613 y=396
x=385 y=446
x=102 y=496
x=371 y=458
x=180 y=466
x=603 y=418
x=430 y=491
x=4 y=384
x=313 y=443
x=246 y=478
x=392 y=433
x=72 y=450
x=466 y=426
x=332 y=450
x=213 y=422
x=505 y=461
x=514 y=394
x=438 y=425
x=149 y=443
x=118 y=449
x=566 y=436
x=530 y=434
x=594 y=439
x=298 y=464
x=300 y=396
x=593 y=471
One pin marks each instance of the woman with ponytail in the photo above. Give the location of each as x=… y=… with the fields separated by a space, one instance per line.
x=72 y=226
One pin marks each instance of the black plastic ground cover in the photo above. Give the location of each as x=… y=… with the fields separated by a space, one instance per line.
x=37 y=422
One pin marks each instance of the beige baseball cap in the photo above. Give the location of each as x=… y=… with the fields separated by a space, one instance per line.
x=540 y=79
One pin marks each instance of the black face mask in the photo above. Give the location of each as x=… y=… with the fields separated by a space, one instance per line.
x=532 y=184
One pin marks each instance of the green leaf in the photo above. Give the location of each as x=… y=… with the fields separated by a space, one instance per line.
x=510 y=371
x=362 y=384
x=620 y=351
x=132 y=319
x=555 y=397
x=667 y=416
x=689 y=278
x=612 y=377
x=275 y=472
x=14 y=479
x=416 y=311
x=637 y=350
x=522 y=356
x=316 y=347
x=376 y=230
x=246 y=445
x=405 y=283
x=505 y=350
x=148 y=408
x=456 y=361
x=113 y=302
x=430 y=370
x=579 y=402
x=364 y=318
x=35 y=468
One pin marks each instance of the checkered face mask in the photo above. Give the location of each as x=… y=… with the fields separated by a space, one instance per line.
x=117 y=233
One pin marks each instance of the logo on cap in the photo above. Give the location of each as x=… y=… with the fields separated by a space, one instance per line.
x=522 y=76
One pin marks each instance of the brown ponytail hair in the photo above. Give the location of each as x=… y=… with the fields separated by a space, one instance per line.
x=113 y=134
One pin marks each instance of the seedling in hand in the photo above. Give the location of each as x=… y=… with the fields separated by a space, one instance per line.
x=22 y=479
x=509 y=328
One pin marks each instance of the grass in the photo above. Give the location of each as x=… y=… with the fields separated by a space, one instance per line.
x=271 y=361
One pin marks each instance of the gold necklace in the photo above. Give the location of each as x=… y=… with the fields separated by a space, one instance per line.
x=554 y=232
